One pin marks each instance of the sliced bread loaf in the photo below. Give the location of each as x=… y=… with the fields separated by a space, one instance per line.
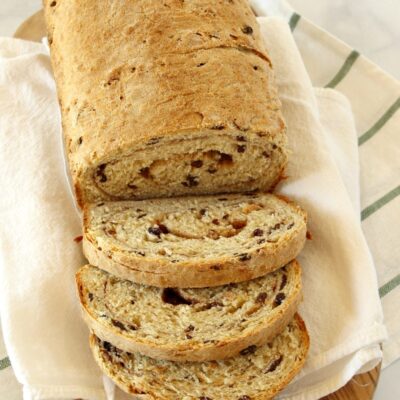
x=194 y=241
x=256 y=374
x=188 y=324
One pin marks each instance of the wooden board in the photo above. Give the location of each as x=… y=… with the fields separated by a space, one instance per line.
x=33 y=28
x=360 y=387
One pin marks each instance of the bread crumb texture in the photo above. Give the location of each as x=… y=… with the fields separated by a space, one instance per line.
x=184 y=323
x=259 y=373
x=192 y=228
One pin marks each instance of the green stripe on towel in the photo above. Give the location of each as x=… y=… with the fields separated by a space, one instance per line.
x=389 y=286
x=294 y=20
x=4 y=363
x=379 y=124
x=350 y=60
x=388 y=197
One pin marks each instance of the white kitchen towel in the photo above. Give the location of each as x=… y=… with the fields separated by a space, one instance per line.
x=375 y=101
x=341 y=305
x=45 y=337
x=337 y=265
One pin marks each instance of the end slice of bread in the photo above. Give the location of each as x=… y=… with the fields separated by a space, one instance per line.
x=188 y=324
x=194 y=241
x=259 y=373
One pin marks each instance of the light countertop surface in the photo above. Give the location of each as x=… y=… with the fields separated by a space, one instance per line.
x=372 y=27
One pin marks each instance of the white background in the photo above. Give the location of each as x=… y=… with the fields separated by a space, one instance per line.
x=370 y=26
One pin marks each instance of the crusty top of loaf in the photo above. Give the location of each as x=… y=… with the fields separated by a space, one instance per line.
x=129 y=71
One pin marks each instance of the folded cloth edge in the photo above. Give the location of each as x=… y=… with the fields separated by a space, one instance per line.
x=363 y=360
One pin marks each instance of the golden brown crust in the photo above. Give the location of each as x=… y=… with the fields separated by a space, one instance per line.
x=141 y=393
x=127 y=388
x=196 y=275
x=144 y=82
x=199 y=351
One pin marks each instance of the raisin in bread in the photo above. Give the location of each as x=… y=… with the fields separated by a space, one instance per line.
x=188 y=324
x=158 y=101
x=194 y=241
x=258 y=373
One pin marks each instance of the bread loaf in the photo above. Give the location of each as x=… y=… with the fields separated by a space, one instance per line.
x=188 y=324
x=164 y=98
x=256 y=374
x=194 y=241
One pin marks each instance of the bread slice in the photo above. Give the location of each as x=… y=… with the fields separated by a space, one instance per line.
x=188 y=324
x=167 y=99
x=194 y=241
x=256 y=374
